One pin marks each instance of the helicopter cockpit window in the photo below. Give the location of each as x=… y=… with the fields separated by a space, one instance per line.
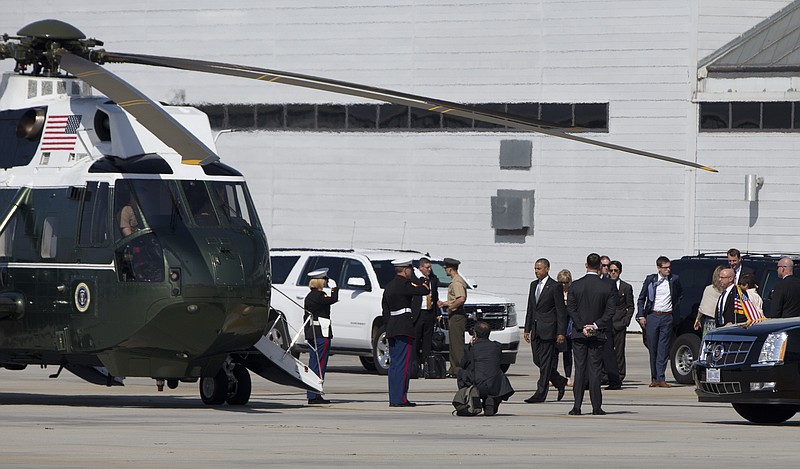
x=200 y=203
x=143 y=204
x=232 y=200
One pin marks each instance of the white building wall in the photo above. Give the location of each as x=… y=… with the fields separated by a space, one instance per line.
x=431 y=190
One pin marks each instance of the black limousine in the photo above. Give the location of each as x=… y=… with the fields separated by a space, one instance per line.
x=754 y=367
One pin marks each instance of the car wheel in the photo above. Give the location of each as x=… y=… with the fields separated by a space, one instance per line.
x=684 y=352
x=765 y=413
x=368 y=363
x=243 y=386
x=214 y=390
x=380 y=351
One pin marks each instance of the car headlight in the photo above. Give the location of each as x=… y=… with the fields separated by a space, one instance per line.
x=512 y=316
x=705 y=350
x=773 y=349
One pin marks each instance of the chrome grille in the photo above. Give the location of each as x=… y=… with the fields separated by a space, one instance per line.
x=494 y=315
x=726 y=352
x=721 y=388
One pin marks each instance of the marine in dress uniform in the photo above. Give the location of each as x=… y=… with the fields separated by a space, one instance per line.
x=318 y=329
x=397 y=301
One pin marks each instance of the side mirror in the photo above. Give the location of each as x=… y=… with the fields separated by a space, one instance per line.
x=357 y=283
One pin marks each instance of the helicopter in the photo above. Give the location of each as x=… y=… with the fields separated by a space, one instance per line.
x=127 y=248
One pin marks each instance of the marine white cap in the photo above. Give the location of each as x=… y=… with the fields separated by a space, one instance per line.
x=403 y=262
x=319 y=273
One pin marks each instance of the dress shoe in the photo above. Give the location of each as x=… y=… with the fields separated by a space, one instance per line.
x=534 y=399
x=652 y=384
x=599 y=412
x=561 y=391
x=663 y=384
x=318 y=400
x=575 y=411
x=613 y=387
x=450 y=375
x=404 y=404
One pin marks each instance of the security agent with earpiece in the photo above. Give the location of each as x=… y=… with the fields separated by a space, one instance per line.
x=318 y=329
x=397 y=301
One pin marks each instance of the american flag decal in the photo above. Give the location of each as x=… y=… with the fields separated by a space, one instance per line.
x=61 y=133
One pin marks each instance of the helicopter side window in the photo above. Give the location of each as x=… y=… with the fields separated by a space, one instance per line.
x=49 y=238
x=200 y=204
x=7 y=238
x=127 y=210
x=94 y=216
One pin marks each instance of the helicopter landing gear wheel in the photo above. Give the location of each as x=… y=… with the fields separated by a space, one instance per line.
x=242 y=386
x=214 y=391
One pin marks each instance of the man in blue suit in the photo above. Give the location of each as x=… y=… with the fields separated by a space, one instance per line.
x=660 y=296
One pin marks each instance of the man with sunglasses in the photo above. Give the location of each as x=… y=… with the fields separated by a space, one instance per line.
x=622 y=316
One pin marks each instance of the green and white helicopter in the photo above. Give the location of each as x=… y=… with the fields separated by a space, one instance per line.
x=127 y=249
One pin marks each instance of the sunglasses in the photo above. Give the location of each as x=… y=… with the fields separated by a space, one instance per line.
x=613 y=270
x=605 y=265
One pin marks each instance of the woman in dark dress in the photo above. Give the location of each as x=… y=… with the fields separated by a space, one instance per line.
x=564 y=278
x=318 y=329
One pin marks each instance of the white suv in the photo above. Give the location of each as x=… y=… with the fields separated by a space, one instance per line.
x=361 y=275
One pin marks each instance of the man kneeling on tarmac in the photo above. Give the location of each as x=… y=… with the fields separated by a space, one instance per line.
x=481 y=367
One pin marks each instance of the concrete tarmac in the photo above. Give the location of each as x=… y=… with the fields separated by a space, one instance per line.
x=68 y=423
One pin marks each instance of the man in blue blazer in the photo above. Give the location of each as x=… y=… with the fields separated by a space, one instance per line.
x=658 y=301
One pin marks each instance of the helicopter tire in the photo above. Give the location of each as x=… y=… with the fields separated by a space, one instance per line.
x=214 y=390
x=242 y=387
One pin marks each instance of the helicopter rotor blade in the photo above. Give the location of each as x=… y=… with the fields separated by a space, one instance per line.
x=147 y=112
x=380 y=94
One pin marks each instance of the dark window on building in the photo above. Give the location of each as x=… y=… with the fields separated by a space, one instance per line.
x=301 y=116
x=557 y=113
x=270 y=116
x=527 y=110
x=591 y=116
x=777 y=116
x=422 y=119
x=362 y=116
x=216 y=115
x=331 y=116
x=496 y=107
x=714 y=115
x=745 y=115
x=450 y=121
x=241 y=116
x=392 y=116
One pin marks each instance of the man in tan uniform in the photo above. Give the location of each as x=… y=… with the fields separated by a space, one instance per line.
x=456 y=314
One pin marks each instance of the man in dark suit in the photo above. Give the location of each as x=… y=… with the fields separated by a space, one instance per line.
x=622 y=315
x=590 y=305
x=660 y=296
x=481 y=366
x=726 y=311
x=735 y=263
x=546 y=324
x=425 y=311
x=610 y=373
x=786 y=294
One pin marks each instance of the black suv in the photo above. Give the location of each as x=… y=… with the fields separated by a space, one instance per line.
x=695 y=274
